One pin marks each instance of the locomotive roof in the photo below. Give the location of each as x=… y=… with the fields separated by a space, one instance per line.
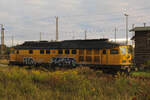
x=68 y=44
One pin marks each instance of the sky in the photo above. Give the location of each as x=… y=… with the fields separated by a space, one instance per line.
x=25 y=19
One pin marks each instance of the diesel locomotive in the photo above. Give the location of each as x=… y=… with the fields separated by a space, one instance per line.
x=96 y=53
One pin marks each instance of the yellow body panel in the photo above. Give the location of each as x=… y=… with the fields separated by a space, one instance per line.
x=89 y=56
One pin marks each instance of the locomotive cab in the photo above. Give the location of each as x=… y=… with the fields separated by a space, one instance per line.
x=125 y=55
x=12 y=58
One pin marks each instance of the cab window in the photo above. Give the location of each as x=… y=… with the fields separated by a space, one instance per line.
x=104 y=51
x=130 y=50
x=123 y=50
x=114 y=51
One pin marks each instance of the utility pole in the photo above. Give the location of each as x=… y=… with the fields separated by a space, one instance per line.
x=85 y=34
x=133 y=42
x=126 y=15
x=132 y=34
x=40 y=36
x=115 y=33
x=2 y=39
x=12 y=40
x=144 y=24
x=133 y=28
x=56 y=28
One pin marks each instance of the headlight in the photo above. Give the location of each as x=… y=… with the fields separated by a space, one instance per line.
x=124 y=61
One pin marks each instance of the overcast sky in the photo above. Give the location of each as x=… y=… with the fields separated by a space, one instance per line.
x=25 y=19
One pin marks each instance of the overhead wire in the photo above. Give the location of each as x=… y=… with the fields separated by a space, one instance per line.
x=92 y=21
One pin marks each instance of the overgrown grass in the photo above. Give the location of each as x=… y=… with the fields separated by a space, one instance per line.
x=141 y=73
x=76 y=84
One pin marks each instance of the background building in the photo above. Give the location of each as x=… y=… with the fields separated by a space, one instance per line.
x=142 y=44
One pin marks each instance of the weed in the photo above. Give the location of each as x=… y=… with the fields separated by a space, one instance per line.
x=74 y=84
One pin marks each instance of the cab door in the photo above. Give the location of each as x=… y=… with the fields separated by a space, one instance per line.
x=104 y=57
x=13 y=55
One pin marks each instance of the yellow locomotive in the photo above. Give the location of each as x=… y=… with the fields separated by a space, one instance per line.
x=98 y=53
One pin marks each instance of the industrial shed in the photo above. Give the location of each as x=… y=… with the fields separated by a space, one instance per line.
x=142 y=44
